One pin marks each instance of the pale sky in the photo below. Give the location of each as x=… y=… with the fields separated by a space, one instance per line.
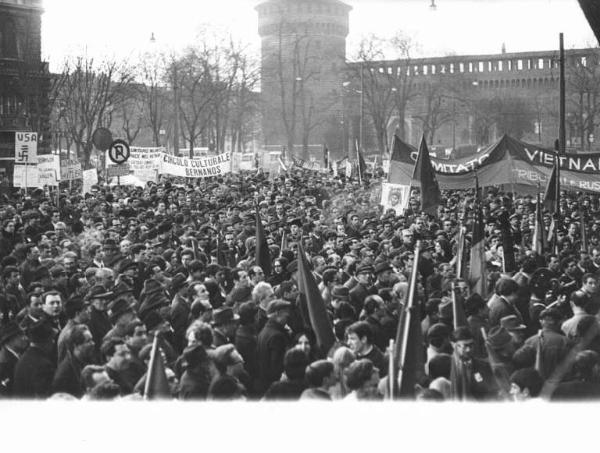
x=122 y=28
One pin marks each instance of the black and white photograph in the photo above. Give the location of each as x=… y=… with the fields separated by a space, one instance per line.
x=299 y=201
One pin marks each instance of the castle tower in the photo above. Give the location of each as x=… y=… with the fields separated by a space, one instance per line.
x=303 y=55
x=24 y=78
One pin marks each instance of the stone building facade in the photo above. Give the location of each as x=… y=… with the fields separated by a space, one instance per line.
x=24 y=78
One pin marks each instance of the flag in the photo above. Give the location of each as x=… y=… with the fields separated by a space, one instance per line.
x=538 y=242
x=317 y=313
x=408 y=359
x=361 y=165
x=508 y=253
x=425 y=175
x=157 y=385
x=591 y=10
x=550 y=192
x=460 y=253
x=582 y=225
x=326 y=156
x=263 y=257
x=477 y=261
x=282 y=165
x=458 y=310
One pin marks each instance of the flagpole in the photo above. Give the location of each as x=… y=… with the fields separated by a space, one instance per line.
x=150 y=366
x=409 y=306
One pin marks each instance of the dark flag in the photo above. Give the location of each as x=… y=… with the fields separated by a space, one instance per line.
x=425 y=175
x=360 y=163
x=326 y=156
x=508 y=253
x=550 y=193
x=538 y=242
x=263 y=257
x=317 y=313
x=591 y=10
x=408 y=355
x=477 y=262
x=157 y=385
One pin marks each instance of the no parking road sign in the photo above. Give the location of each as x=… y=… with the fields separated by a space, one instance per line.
x=119 y=151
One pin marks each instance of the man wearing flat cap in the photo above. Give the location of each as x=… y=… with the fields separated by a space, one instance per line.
x=13 y=342
x=363 y=288
x=225 y=324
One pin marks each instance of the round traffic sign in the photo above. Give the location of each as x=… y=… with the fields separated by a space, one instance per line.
x=102 y=138
x=119 y=151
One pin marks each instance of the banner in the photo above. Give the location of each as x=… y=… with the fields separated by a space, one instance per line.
x=395 y=196
x=510 y=162
x=25 y=176
x=90 y=177
x=70 y=170
x=144 y=163
x=26 y=147
x=48 y=168
x=195 y=168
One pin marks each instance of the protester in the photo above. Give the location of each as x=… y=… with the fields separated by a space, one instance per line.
x=175 y=279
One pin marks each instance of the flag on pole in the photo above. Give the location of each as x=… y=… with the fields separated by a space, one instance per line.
x=282 y=165
x=425 y=175
x=326 y=156
x=508 y=253
x=263 y=257
x=538 y=242
x=408 y=359
x=317 y=313
x=550 y=192
x=477 y=261
x=583 y=227
x=157 y=385
x=361 y=165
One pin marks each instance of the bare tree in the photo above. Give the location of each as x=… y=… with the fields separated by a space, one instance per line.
x=89 y=95
x=154 y=96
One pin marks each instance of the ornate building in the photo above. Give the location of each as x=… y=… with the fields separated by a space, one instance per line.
x=24 y=78
x=302 y=61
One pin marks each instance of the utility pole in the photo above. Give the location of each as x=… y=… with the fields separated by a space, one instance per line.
x=176 y=108
x=362 y=106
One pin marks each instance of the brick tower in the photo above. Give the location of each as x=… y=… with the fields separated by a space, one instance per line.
x=303 y=55
x=24 y=78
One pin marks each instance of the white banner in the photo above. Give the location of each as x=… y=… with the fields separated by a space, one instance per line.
x=395 y=196
x=70 y=169
x=26 y=147
x=90 y=177
x=48 y=170
x=25 y=176
x=145 y=162
x=195 y=168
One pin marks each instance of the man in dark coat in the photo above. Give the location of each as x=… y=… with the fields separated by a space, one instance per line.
x=504 y=304
x=272 y=343
x=35 y=369
x=99 y=322
x=13 y=342
x=246 y=338
x=80 y=352
x=363 y=288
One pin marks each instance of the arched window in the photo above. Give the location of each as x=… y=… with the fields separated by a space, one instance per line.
x=8 y=39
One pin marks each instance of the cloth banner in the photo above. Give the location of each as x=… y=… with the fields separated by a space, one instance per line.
x=395 y=196
x=195 y=168
x=90 y=177
x=48 y=168
x=70 y=170
x=509 y=161
x=25 y=176
x=144 y=163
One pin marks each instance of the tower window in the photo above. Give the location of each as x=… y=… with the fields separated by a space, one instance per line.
x=8 y=39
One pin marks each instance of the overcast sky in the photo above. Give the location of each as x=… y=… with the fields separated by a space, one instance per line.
x=122 y=28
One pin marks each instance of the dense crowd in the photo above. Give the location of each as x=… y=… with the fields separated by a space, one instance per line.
x=88 y=283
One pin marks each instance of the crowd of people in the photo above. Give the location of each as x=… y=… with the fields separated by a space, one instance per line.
x=90 y=281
